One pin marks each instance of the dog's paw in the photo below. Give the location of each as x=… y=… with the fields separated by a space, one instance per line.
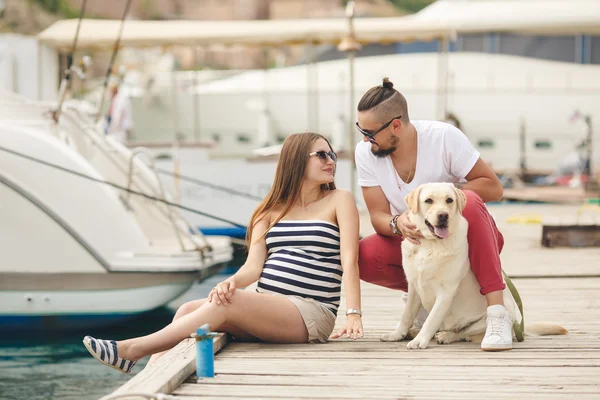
x=393 y=336
x=417 y=343
x=412 y=333
x=447 y=337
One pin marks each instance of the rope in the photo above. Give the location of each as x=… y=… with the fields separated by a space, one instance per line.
x=75 y=39
x=518 y=327
x=70 y=63
x=113 y=58
x=209 y=185
x=114 y=185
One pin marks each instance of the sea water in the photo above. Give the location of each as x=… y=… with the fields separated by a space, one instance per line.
x=41 y=366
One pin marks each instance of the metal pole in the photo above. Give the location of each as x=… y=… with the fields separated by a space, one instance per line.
x=523 y=140
x=309 y=86
x=316 y=89
x=174 y=113
x=350 y=45
x=351 y=126
x=442 y=81
x=591 y=183
x=113 y=58
x=195 y=95
x=588 y=122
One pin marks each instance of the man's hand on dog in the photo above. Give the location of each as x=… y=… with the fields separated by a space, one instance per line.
x=409 y=231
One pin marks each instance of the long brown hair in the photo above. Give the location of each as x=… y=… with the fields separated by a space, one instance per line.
x=289 y=177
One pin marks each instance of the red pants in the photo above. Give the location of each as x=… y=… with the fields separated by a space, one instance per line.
x=380 y=257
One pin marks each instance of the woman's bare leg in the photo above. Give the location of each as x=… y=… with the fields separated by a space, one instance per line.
x=190 y=307
x=184 y=309
x=267 y=317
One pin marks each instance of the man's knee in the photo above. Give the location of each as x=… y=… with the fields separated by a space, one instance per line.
x=377 y=251
x=367 y=252
x=474 y=205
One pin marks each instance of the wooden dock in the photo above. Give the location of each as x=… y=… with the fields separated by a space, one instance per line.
x=559 y=285
x=549 y=194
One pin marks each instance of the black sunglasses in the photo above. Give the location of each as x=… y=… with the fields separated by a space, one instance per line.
x=324 y=154
x=371 y=135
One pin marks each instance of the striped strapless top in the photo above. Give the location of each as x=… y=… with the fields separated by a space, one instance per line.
x=304 y=260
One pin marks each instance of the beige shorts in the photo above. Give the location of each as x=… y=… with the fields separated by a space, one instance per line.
x=319 y=320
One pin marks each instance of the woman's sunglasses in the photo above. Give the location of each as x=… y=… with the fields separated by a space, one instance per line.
x=324 y=154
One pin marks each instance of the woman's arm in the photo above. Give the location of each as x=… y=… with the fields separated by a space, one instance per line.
x=348 y=222
x=250 y=271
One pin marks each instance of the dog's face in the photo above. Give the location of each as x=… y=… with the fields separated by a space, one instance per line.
x=436 y=207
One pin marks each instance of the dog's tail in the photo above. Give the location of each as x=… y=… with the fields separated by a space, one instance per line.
x=544 y=329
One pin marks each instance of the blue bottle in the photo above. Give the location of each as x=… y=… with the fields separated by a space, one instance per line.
x=205 y=356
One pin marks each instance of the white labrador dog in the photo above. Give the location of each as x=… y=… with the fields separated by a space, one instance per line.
x=439 y=273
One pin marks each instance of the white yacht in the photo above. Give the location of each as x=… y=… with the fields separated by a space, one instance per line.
x=74 y=251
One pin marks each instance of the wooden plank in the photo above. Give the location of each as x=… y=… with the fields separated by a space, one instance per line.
x=391 y=389
x=169 y=371
x=440 y=395
x=273 y=366
x=571 y=236
x=578 y=376
x=550 y=194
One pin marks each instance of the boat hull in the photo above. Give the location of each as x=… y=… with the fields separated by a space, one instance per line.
x=78 y=301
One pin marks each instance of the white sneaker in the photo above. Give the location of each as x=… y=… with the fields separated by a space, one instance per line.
x=421 y=315
x=498 y=334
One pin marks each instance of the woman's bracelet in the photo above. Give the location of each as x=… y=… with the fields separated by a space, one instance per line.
x=353 y=311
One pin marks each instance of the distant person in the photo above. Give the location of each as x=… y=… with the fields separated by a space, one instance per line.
x=453 y=120
x=397 y=155
x=119 y=123
x=303 y=242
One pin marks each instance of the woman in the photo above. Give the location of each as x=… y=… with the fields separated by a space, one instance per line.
x=301 y=238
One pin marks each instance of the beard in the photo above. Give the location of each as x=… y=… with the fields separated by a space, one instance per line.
x=381 y=152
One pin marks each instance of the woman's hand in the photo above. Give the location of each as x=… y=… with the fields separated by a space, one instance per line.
x=409 y=231
x=353 y=328
x=222 y=292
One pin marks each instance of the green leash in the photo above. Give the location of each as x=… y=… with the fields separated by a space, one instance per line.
x=518 y=327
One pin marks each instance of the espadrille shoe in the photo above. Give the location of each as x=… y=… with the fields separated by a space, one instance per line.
x=105 y=351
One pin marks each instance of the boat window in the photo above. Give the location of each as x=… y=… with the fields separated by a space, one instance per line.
x=558 y=48
x=419 y=46
x=486 y=144
x=475 y=43
x=595 y=56
x=543 y=144
x=243 y=138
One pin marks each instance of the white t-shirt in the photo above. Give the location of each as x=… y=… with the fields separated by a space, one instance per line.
x=444 y=155
x=121 y=120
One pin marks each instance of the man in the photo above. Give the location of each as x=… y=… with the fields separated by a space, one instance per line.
x=119 y=119
x=395 y=157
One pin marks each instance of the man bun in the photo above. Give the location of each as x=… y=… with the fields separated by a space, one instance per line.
x=387 y=83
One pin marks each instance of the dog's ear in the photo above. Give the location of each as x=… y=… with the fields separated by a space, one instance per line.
x=412 y=200
x=461 y=199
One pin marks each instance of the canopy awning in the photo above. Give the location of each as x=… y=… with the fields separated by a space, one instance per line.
x=543 y=17
x=444 y=18
x=101 y=34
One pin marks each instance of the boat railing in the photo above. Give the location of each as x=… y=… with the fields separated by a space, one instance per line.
x=110 y=152
x=161 y=190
